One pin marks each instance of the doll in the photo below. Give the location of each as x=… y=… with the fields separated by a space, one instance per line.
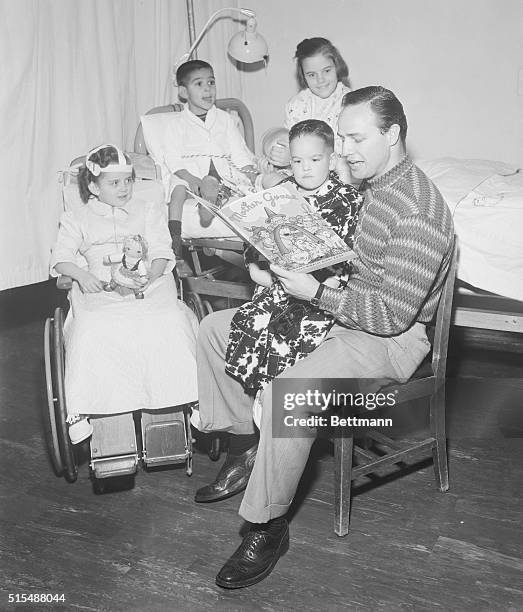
x=131 y=275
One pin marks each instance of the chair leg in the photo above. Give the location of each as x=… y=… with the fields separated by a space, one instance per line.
x=343 y=448
x=439 y=450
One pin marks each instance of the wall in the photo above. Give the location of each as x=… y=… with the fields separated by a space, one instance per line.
x=453 y=63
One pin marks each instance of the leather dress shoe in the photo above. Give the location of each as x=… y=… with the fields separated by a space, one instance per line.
x=231 y=479
x=256 y=556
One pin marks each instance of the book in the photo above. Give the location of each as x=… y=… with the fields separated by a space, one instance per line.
x=284 y=228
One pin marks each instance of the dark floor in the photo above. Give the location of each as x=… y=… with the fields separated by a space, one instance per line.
x=151 y=548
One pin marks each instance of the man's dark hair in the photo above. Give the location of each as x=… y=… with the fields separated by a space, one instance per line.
x=314 y=127
x=184 y=72
x=383 y=102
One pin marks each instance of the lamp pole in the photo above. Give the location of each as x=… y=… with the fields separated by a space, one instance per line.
x=190 y=23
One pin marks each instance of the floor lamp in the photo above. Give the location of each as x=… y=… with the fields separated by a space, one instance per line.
x=246 y=46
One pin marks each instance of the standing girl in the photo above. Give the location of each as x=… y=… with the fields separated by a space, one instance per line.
x=122 y=354
x=323 y=78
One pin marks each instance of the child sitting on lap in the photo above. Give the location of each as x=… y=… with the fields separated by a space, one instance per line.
x=273 y=331
x=122 y=354
x=205 y=151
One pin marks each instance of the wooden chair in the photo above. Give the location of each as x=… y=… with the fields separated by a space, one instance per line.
x=427 y=382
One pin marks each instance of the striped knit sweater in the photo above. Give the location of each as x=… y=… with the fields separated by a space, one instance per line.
x=403 y=246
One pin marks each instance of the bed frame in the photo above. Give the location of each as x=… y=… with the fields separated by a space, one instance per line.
x=483 y=310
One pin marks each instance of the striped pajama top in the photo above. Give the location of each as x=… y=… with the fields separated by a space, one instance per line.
x=403 y=245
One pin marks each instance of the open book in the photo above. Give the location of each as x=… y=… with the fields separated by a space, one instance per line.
x=284 y=228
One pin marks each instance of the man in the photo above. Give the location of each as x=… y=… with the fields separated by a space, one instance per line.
x=403 y=246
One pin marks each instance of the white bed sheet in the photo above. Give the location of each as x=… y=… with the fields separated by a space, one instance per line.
x=486 y=199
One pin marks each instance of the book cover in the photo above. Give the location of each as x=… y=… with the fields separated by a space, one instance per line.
x=284 y=228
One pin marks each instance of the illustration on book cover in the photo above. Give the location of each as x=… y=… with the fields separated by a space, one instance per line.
x=285 y=229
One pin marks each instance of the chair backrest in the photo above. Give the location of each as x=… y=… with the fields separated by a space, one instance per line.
x=443 y=318
x=231 y=105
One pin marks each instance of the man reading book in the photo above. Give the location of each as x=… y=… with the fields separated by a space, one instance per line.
x=403 y=246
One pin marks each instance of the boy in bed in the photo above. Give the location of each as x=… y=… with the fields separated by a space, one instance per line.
x=205 y=151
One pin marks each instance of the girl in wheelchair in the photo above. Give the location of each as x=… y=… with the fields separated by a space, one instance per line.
x=122 y=354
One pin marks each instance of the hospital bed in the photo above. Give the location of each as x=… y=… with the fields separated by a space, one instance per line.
x=486 y=200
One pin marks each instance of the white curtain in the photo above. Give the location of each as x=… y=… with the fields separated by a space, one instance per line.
x=73 y=74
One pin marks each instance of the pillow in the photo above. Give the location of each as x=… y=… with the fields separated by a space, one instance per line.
x=237 y=120
x=144 y=166
x=154 y=130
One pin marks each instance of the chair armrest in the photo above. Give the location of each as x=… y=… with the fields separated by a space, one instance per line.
x=224 y=244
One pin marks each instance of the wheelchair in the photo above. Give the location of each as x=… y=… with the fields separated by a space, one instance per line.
x=164 y=436
x=120 y=443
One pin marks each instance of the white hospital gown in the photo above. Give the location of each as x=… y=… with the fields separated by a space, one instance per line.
x=124 y=354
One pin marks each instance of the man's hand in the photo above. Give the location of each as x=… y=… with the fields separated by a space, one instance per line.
x=332 y=281
x=299 y=285
x=89 y=283
x=259 y=276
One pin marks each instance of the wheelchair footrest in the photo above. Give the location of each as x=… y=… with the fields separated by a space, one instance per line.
x=121 y=465
x=165 y=442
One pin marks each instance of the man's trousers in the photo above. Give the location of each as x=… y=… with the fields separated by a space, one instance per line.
x=224 y=406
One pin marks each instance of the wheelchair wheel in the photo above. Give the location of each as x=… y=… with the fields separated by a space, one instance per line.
x=195 y=303
x=50 y=420
x=62 y=455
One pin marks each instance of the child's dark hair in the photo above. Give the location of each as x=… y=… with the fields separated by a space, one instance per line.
x=387 y=108
x=313 y=127
x=103 y=158
x=183 y=74
x=316 y=46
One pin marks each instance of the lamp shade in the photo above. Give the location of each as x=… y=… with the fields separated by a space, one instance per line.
x=248 y=46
